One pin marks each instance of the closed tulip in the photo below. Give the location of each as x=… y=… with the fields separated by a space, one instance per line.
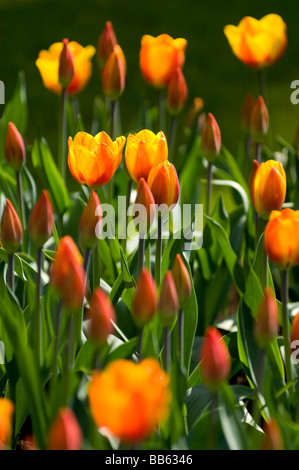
x=48 y=65
x=102 y=316
x=182 y=280
x=94 y=160
x=65 y=432
x=259 y=121
x=11 y=228
x=40 y=222
x=146 y=199
x=266 y=321
x=168 y=303
x=106 y=43
x=114 y=74
x=159 y=57
x=258 y=43
x=14 y=149
x=89 y=221
x=177 y=92
x=215 y=360
x=164 y=184
x=268 y=187
x=281 y=238
x=66 y=65
x=211 y=139
x=144 y=303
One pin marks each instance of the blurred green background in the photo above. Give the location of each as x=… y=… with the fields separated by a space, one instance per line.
x=211 y=70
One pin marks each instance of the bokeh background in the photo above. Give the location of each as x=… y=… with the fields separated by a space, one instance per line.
x=211 y=70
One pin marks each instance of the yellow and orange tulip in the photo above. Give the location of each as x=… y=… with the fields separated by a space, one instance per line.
x=94 y=160
x=164 y=184
x=258 y=43
x=48 y=65
x=159 y=57
x=6 y=413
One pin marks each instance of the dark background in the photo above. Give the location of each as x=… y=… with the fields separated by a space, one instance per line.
x=211 y=70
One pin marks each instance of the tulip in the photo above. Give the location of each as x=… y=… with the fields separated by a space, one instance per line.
x=266 y=320
x=6 y=413
x=67 y=274
x=130 y=399
x=94 y=160
x=14 y=149
x=48 y=65
x=159 y=57
x=11 y=228
x=181 y=279
x=164 y=184
x=259 y=121
x=106 y=43
x=66 y=65
x=211 y=139
x=168 y=303
x=177 y=92
x=145 y=299
x=146 y=199
x=114 y=73
x=258 y=43
x=65 y=432
x=272 y=439
x=143 y=151
x=102 y=316
x=268 y=187
x=89 y=221
x=215 y=360
x=41 y=220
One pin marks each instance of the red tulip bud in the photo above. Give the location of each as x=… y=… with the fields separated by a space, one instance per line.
x=89 y=221
x=215 y=363
x=145 y=300
x=114 y=74
x=211 y=139
x=41 y=220
x=177 y=92
x=66 y=65
x=168 y=303
x=101 y=315
x=146 y=214
x=106 y=43
x=259 y=121
x=266 y=320
x=182 y=280
x=65 y=432
x=14 y=150
x=11 y=228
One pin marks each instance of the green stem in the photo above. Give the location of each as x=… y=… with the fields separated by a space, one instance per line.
x=247 y=160
x=110 y=187
x=258 y=152
x=181 y=336
x=68 y=361
x=10 y=271
x=139 y=351
x=286 y=325
x=86 y=261
x=161 y=110
x=21 y=201
x=62 y=135
x=259 y=386
x=172 y=135
x=38 y=330
x=141 y=250
x=56 y=345
x=128 y=198
x=159 y=251
x=167 y=350
x=209 y=186
x=262 y=83
x=148 y=257
x=96 y=266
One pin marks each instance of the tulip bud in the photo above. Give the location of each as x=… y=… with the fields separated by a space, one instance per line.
x=101 y=314
x=215 y=360
x=272 y=439
x=164 y=184
x=168 y=303
x=65 y=432
x=146 y=214
x=6 y=414
x=211 y=139
x=145 y=299
x=40 y=222
x=177 y=92
x=14 y=149
x=246 y=112
x=182 y=280
x=11 y=228
x=266 y=320
x=114 y=74
x=89 y=221
x=66 y=65
x=259 y=121
x=106 y=43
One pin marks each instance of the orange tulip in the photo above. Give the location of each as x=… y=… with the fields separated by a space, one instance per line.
x=106 y=43
x=177 y=92
x=259 y=121
x=215 y=360
x=143 y=151
x=65 y=432
x=94 y=160
x=146 y=199
x=159 y=57
x=14 y=150
x=102 y=315
x=114 y=74
x=211 y=139
x=67 y=274
x=168 y=303
x=266 y=320
x=11 y=228
x=258 y=43
x=145 y=299
x=48 y=65
x=66 y=65
x=130 y=399
x=89 y=221
x=6 y=413
x=181 y=279
x=164 y=184
x=281 y=238
x=40 y=222
x=268 y=187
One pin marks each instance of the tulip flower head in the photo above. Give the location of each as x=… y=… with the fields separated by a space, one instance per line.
x=159 y=58
x=94 y=160
x=14 y=149
x=182 y=280
x=145 y=206
x=11 y=228
x=215 y=360
x=66 y=65
x=258 y=43
x=266 y=320
x=102 y=316
x=144 y=303
x=268 y=187
x=114 y=74
x=259 y=121
x=143 y=151
x=6 y=414
x=65 y=432
x=168 y=303
x=40 y=222
x=106 y=43
x=48 y=65
x=130 y=399
x=281 y=238
x=90 y=222
x=164 y=184
x=211 y=139
x=177 y=92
